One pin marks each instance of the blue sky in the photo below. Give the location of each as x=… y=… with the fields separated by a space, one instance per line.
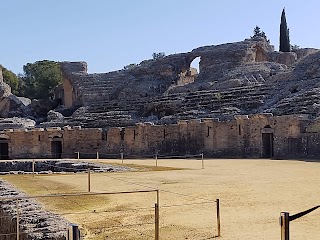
x=111 y=34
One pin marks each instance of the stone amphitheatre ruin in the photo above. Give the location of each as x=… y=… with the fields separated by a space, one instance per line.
x=246 y=101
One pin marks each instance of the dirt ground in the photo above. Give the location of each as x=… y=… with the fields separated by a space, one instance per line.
x=252 y=195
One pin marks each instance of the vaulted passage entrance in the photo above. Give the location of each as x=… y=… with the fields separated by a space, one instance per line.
x=267 y=142
x=56 y=147
x=4 y=149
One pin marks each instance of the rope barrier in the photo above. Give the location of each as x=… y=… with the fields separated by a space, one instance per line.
x=107 y=211
x=179 y=157
x=187 y=204
x=142 y=185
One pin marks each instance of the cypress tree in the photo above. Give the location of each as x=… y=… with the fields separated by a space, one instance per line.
x=284 y=34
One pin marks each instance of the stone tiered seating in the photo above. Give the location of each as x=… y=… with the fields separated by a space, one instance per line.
x=242 y=97
x=305 y=103
x=100 y=87
x=104 y=110
x=103 y=119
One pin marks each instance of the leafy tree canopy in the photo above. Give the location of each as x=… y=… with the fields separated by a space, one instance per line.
x=41 y=78
x=11 y=79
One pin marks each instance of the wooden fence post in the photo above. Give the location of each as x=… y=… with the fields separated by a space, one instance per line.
x=89 y=180
x=18 y=219
x=202 y=160
x=218 y=217
x=121 y=154
x=33 y=167
x=284 y=223
x=156 y=222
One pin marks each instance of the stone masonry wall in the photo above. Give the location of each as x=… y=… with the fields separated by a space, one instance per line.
x=241 y=137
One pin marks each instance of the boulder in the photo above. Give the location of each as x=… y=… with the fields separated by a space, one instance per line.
x=54 y=116
x=42 y=106
x=5 y=90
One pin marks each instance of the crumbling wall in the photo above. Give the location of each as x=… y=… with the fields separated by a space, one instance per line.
x=35 y=222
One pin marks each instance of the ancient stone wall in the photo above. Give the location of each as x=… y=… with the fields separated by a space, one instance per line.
x=241 y=137
x=34 y=221
x=152 y=78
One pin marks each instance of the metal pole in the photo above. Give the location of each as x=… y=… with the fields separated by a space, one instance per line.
x=156 y=159
x=202 y=160
x=218 y=217
x=18 y=219
x=78 y=156
x=97 y=155
x=156 y=222
x=121 y=154
x=33 y=167
x=89 y=180
x=284 y=223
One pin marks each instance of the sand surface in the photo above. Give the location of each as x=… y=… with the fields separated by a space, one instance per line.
x=252 y=195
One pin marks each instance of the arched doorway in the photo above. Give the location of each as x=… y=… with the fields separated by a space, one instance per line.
x=4 y=149
x=56 y=147
x=267 y=142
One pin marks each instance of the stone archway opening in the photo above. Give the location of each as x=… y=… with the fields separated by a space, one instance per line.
x=190 y=73
x=195 y=65
x=4 y=149
x=56 y=147
x=267 y=142
x=260 y=55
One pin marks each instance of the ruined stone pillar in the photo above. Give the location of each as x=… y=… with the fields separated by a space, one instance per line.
x=1 y=77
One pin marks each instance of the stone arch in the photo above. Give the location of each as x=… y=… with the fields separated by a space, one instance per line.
x=189 y=74
x=68 y=93
x=4 y=137
x=260 y=54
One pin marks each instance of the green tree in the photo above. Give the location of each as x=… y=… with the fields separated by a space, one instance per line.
x=11 y=79
x=41 y=78
x=257 y=33
x=284 y=34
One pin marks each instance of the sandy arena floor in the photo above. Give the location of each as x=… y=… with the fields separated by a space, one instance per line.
x=252 y=195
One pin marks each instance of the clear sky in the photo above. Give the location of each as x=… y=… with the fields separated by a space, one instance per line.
x=109 y=34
